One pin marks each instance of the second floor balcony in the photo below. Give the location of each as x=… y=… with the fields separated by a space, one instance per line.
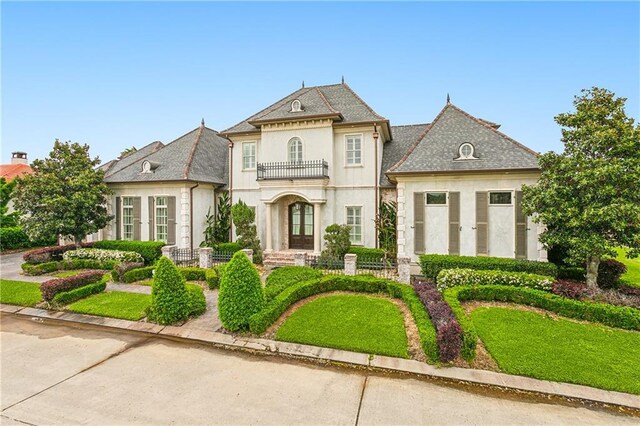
x=315 y=169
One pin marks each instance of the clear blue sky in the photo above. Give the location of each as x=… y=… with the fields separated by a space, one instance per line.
x=119 y=74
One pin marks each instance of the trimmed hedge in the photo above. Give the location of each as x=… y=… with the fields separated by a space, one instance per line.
x=227 y=247
x=368 y=253
x=470 y=277
x=67 y=297
x=197 y=301
x=213 y=278
x=138 y=274
x=286 y=276
x=51 y=288
x=432 y=264
x=117 y=274
x=259 y=322
x=169 y=297
x=51 y=253
x=13 y=238
x=48 y=267
x=149 y=250
x=193 y=274
x=241 y=293
x=610 y=315
x=102 y=255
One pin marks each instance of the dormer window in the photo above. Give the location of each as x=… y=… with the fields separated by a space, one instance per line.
x=148 y=166
x=466 y=152
x=296 y=106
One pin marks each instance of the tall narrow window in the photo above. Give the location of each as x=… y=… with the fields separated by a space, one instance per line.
x=354 y=220
x=127 y=218
x=295 y=150
x=354 y=149
x=248 y=155
x=162 y=219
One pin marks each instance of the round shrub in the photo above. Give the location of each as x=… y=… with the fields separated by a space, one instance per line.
x=609 y=273
x=169 y=297
x=240 y=293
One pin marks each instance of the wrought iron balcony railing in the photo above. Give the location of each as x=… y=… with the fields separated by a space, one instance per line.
x=293 y=170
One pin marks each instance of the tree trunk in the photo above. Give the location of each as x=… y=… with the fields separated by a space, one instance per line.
x=592 y=271
x=78 y=241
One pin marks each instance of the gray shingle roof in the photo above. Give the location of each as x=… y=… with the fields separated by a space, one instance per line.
x=437 y=150
x=403 y=138
x=118 y=164
x=332 y=100
x=200 y=156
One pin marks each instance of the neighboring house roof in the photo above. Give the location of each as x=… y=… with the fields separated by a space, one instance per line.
x=438 y=148
x=199 y=156
x=337 y=101
x=403 y=138
x=11 y=171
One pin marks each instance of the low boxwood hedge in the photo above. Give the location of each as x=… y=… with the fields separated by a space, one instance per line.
x=259 y=322
x=197 y=301
x=432 y=264
x=227 y=247
x=65 y=265
x=138 y=274
x=610 y=315
x=286 y=276
x=51 y=288
x=215 y=275
x=470 y=277
x=67 y=297
x=149 y=250
x=193 y=274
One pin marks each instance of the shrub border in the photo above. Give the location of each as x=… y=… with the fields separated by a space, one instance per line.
x=258 y=323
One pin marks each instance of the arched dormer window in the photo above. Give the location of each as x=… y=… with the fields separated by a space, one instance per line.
x=466 y=151
x=296 y=106
x=295 y=150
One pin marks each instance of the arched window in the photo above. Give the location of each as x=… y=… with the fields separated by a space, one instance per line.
x=295 y=150
x=296 y=106
x=466 y=152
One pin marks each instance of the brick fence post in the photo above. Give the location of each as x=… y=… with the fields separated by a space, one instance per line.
x=249 y=253
x=170 y=252
x=205 y=257
x=404 y=269
x=350 y=263
x=300 y=258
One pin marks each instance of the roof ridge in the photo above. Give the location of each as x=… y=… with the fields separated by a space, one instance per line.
x=363 y=102
x=493 y=129
x=187 y=166
x=324 y=99
x=268 y=109
x=155 y=149
x=410 y=125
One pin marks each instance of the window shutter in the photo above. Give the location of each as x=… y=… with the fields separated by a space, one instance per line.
x=454 y=223
x=118 y=218
x=521 y=228
x=418 y=222
x=171 y=222
x=482 y=224
x=152 y=217
x=137 y=219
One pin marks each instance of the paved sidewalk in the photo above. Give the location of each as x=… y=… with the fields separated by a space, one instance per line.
x=129 y=288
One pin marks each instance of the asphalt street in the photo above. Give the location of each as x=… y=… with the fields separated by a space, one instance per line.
x=54 y=373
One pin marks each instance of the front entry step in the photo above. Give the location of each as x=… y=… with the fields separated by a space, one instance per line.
x=279 y=258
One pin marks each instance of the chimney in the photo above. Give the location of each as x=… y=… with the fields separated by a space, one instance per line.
x=19 y=158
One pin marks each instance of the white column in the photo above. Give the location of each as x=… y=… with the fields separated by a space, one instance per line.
x=316 y=228
x=269 y=242
x=400 y=217
x=185 y=222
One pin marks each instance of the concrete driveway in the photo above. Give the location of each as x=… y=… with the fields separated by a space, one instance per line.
x=10 y=269
x=61 y=374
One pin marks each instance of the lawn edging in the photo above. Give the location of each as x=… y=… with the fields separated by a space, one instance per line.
x=609 y=315
x=259 y=322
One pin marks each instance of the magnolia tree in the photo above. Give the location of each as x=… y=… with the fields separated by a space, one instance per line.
x=65 y=195
x=589 y=196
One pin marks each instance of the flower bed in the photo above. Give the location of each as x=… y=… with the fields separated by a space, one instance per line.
x=48 y=254
x=448 y=278
x=103 y=255
x=149 y=250
x=432 y=264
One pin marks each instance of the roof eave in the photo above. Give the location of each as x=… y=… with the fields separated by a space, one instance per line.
x=334 y=116
x=392 y=174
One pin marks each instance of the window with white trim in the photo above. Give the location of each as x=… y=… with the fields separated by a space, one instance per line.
x=162 y=219
x=295 y=150
x=127 y=218
x=354 y=220
x=466 y=151
x=353 y=146
x=248 y=155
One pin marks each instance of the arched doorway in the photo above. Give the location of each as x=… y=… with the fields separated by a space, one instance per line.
x=301 y=226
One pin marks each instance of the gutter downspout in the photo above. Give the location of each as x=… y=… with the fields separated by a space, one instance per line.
x=376 y=204
x=191 y=213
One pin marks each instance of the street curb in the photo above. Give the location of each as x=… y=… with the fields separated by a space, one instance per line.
x=627 y=403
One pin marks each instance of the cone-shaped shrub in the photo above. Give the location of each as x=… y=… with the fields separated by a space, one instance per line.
x=169 y=298
x=240 y=293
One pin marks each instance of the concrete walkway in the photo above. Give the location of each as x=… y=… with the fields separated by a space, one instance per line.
x=10 y=269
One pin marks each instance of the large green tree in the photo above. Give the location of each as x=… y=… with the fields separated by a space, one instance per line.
x=7 y=220
x=589 y=196
x=65 y=195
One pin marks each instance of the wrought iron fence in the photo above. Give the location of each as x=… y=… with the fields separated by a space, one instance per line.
x=328 y=265
x=220 y=257
x=187 y=258
x=381 y=267
x=293 y=170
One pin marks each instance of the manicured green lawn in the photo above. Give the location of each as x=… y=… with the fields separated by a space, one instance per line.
x=19 y=293
x=632 y=276
x=530 y=344
x=351 y=322
x=115 y=304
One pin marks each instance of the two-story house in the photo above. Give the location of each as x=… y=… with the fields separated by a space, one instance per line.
x=321 y=155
